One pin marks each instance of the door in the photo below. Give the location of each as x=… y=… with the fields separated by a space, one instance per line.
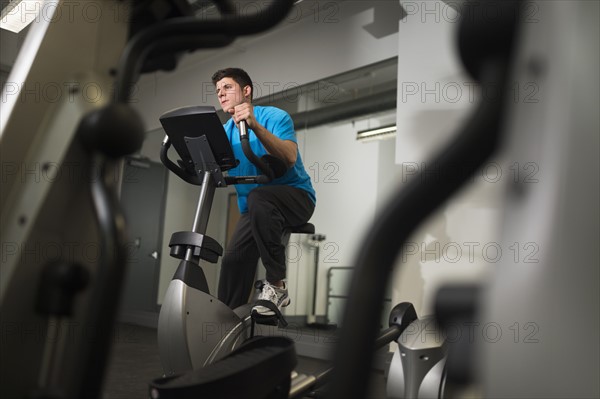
x=143 y=198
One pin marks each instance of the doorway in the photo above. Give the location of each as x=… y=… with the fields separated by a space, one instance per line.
x=143 y=201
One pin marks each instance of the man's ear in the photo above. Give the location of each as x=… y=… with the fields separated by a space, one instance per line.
x=247 y=91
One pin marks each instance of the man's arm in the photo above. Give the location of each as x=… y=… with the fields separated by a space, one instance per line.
x=286 y=150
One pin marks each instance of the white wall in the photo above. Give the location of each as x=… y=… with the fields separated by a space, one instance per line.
x=343 y=172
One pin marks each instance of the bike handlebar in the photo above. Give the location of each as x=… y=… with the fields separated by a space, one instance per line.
x=269 y=174
x=178 y=170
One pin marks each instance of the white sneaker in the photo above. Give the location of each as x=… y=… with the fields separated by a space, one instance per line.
x=279 y=296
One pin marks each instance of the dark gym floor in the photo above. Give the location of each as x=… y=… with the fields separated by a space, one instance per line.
x=134 y=362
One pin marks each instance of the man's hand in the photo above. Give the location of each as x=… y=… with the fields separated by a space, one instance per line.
x=244 y=111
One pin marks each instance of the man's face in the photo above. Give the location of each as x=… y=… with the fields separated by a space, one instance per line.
x=229 y=93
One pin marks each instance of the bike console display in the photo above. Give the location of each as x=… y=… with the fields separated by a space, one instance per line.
x=196 y=121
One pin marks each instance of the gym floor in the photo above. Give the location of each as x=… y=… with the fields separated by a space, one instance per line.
x=134 y=362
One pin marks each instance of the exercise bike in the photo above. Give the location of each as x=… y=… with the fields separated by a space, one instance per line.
x=195 y=328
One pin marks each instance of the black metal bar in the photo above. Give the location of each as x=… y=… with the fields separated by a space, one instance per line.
x=240 y=179
x=388 y=335
x=108 y=280
x=164 y=157
x=259 y=163
x=229 y=25
x=489 y=57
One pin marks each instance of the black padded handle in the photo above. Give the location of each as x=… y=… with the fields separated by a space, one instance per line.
x=196 y=33
x=271 y=166
x=178 y=170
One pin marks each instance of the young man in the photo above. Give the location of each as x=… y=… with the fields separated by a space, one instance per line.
x=265 y=209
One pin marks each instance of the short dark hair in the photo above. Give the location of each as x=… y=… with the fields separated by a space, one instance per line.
x=240 y=76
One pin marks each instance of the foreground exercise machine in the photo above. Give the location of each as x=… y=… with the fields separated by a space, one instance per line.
x=545 y=313
x=56 y=318
x=64 y=238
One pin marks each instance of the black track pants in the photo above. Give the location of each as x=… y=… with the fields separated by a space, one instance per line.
x=258 y=234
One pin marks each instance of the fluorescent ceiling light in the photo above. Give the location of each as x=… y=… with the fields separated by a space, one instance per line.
x=19 y=13
x=379 y=133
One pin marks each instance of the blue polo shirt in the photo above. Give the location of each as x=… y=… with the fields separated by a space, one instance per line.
x=281 y=125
